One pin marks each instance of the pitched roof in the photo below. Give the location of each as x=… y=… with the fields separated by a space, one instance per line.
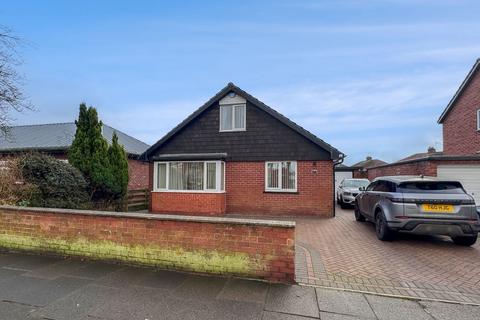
x=421 y=155
x=459 y=92
x=368 y=163
x=59 y=136
x=335 y=154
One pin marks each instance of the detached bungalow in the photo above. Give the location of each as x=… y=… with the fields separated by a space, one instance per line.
x=237 y=155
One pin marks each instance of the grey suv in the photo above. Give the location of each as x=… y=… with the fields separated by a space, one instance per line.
x=421 y=205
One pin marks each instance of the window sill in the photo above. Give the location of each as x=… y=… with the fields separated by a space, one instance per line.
x=282 y=191
x=233 y=130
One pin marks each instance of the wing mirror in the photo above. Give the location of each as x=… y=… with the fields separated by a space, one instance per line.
x=361 y=188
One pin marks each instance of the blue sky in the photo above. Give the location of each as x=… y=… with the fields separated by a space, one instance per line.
x=369 y=77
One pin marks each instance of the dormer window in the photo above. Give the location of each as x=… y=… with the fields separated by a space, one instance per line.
x=232 y=117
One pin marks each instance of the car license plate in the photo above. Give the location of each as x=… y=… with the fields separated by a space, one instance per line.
x=438 y=208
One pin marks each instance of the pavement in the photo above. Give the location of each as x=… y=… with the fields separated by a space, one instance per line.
x=345 y=254
x=38 y=287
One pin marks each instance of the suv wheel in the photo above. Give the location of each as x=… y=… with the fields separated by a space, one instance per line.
x=465 y=241
x=381 y=228
x=358 y=215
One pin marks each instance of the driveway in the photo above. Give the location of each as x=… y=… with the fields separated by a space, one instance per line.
x=343 y=253
x=35 y=287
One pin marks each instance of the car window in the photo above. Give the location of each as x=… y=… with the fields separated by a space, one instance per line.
x=371 y=186
x=431 y=187
x=385 y=186
x=355 y=183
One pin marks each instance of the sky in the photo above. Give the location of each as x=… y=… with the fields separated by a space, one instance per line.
x=368 y=77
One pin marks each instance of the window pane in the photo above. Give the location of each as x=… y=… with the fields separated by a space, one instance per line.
x=226 y=115
x=272 y=175
x=162 y=176
x=186 y=176
x=288 y=175
x=239 y=117
x=211 y=175
x=222 y=176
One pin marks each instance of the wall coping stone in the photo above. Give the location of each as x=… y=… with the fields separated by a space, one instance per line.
x=155 y=216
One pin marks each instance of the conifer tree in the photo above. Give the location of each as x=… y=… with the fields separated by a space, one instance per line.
x=119 y=167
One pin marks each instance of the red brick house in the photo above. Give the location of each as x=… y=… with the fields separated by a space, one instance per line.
x=56 y=138
x=237 y=155
x=460 y=158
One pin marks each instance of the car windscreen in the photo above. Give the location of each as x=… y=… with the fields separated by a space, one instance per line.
x=431 y=187
x=355 y=183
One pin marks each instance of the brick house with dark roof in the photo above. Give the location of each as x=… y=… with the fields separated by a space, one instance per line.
x=460 y=158
x=237 y=155
x=56 y=138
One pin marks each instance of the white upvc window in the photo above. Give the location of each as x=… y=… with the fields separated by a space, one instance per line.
x=189 y=176
x=233 y=117
x=281 y=176
x=478 y=120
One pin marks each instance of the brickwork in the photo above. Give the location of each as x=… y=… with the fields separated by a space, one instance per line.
x=460 y=134
x=188 y=203
x=137 y=174
x=246 y=194
x=240 y=247
x=426 y=167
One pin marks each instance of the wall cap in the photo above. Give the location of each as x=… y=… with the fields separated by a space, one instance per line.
x=156 y=216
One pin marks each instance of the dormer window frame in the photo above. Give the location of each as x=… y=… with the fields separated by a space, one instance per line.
x=233 y=115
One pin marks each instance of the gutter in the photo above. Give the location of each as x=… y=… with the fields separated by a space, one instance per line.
x=340 y=159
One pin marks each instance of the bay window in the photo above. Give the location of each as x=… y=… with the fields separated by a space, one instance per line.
x=189 y=176
x=281 y=176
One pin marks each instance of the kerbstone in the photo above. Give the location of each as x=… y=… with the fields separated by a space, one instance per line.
x=396 y=309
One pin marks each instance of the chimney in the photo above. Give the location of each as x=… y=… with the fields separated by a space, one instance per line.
x=369 y=158
x=431 y=150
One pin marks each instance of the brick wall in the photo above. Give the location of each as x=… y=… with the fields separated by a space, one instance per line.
x=138 y=174
x=241 y=247
x=460 y=135
x=245 y=186
x=188 y=203
x=427 y=168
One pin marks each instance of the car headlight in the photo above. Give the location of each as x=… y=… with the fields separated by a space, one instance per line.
x=347 y=194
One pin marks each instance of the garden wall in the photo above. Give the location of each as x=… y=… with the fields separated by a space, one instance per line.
x=262 y=249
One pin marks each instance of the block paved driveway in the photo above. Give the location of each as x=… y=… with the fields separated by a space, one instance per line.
x=343 y=253
x=35 y=287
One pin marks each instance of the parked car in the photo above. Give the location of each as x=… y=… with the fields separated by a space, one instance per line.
x=348 y=190
x=420 y=205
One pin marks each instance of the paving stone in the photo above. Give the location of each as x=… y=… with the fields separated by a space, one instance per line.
x=336 y=316
x=244 y=290
x=55 y=270
x=447 y=311
x=386 y=308
x=297 y=300
x=26 y=262
x=6 y=273
x=13 y=311
x=350 y=303
x=200 y=288
x=123 y=277
x=94 y=270
x=218 y=309
x=77 y=304
x=268 y=315
x=163 y=279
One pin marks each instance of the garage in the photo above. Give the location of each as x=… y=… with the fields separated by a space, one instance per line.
x=340 y=176
x=468 y=175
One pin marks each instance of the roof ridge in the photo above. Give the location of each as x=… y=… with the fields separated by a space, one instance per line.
x=40 y=124
x=116 y=130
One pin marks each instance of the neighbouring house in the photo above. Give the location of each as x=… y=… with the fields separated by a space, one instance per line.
x=56 y=138
x=460 y=158
x=236 y=155
x=361 y=167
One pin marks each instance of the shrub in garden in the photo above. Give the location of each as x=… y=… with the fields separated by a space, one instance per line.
x=13 y=189
x=58 y=184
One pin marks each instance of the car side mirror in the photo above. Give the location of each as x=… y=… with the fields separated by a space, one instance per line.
x=361 y=188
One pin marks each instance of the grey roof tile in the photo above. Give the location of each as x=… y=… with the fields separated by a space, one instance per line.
x=59 y=136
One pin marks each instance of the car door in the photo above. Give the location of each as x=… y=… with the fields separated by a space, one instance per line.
x=365 y=197
x=375 y=196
